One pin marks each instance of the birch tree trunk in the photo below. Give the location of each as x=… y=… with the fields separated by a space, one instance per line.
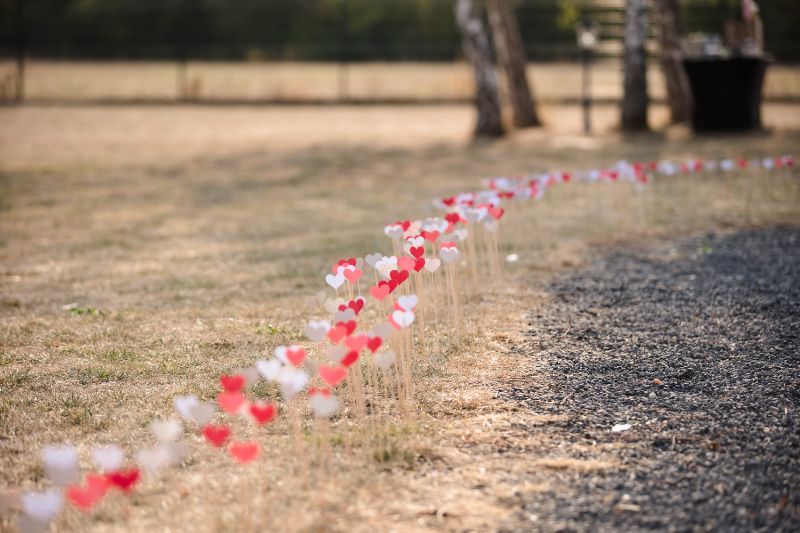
x=511 y=53
x=679 y=96
x=634 y=97
x=476 y=48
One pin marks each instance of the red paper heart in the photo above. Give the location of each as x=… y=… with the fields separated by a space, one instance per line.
x=452 y=218
x=232 y=383
x=379 y=292
x=216 y=435
x=332 y=375
x=449 y=201
x=350 y=326
x=374 y=343
x=496 y=212
x=124 y=479
x=417 y=251
x=244 y=452
x=418 y=264
x=349 y=359
x=295 y=355
x=86 y=497
x=398 y=276
x=356 y=305
x=263 y=413
x=230 y=402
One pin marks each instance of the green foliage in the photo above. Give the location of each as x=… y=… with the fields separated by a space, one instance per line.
x=76 y=310
x=329 y=29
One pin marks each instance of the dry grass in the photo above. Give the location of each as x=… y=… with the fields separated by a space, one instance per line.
x=81 y=81
x=198 y=234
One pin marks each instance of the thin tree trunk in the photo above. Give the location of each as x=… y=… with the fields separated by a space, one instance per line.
x=679 y=96
x=478 y=53
x=511 y=53
x=634 y=97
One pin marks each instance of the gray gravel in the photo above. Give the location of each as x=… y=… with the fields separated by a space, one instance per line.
x=695 y=344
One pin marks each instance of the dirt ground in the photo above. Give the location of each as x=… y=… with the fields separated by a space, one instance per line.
x=189 y=238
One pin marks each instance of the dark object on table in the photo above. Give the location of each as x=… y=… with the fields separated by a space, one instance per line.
x=726 y=92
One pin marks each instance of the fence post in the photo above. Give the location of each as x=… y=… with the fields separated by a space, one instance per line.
x=19 y=20
x=343 y=73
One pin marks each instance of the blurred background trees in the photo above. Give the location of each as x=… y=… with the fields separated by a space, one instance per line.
x=382 y=30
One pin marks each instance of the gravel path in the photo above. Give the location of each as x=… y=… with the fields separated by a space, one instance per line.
x=695 y=344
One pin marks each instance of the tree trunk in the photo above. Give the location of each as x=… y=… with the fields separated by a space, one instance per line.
x=478 y=53
x=634 y=97
x=679 y=96
x=511 y=53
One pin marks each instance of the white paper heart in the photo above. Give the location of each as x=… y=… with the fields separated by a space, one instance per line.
x=324 y=406
x=335 y=281
x=344 y=316
x=335 y=353
x=403 y=318
x=166 y=430
x=448 y=255
x=161 y=456
x=280 y=354
x=371 y=259
x=154 y=459
x=415 y=241
x=382 y=330
x=184 y=404
x=317 y=329
x=250 y=374
x=202 y=412
x=394 y=232
x=408 y=303
x=60 y=464
x=433 y=264
x=291 y=381
x=109 y=457
x=44 y=506
x=269 y=369
x=384 y=360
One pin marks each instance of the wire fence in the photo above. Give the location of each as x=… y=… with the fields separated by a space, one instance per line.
x=317 y=50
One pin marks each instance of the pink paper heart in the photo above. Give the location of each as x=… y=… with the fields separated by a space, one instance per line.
x=230 y=402
x=244 y=452
x=332 y=375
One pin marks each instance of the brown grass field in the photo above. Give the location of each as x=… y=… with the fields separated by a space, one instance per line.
x=198 y=234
